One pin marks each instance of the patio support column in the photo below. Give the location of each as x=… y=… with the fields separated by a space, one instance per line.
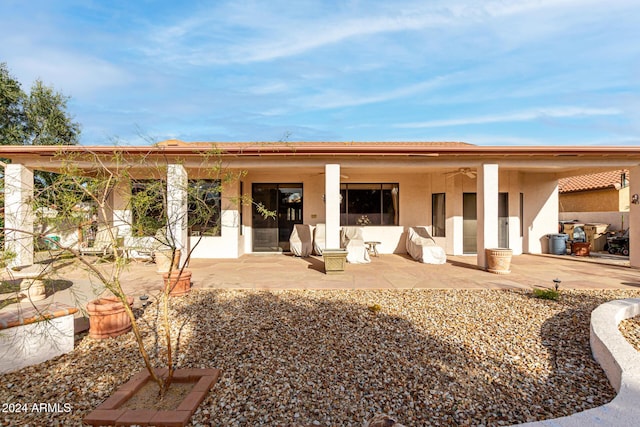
x=177 y=209
x=634 y=217
x=120 y=209
x=487 y=203
x=332 y=205
x=18 y=220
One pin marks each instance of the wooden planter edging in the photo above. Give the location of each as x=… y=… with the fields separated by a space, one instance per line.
x=109 y=412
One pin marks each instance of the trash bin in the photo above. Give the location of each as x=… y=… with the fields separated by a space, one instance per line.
x=558 y=244
x=52 y=242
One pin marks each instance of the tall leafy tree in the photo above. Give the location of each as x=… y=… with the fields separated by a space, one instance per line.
x=47 y=122
x=39 y=118
x=12 y=116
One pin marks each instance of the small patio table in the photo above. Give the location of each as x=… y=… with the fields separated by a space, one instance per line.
x=372 y=247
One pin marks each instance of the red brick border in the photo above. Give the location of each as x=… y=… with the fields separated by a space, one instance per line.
x=30 y=315
x=109 y=412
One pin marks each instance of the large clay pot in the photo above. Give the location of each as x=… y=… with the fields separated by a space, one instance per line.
x=499 y=260
x=581 y=248
x=107 y=317
x=164 y=262
x=178 y=281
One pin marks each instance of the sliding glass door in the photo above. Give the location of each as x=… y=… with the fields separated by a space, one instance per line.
x=271 y=234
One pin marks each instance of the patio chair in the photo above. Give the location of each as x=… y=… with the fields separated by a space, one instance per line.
x=301 y=242
x=140 y=250
x=103 y=243
x=319 y=244
x=144 y=248
x=422 y=247
x=353 y=242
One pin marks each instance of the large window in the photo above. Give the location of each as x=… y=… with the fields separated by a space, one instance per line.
x=204 y=207
x=148 y=206
x=438 y=214
x=369 y=204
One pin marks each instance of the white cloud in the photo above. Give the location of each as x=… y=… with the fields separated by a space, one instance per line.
x=74 y=74
x=258 y=33
x=267 y=88
x=523 y=116
x=339 y=99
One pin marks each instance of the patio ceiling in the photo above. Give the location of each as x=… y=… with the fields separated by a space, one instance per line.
x=399 y=157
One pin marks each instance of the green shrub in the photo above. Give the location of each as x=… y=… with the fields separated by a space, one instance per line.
x=551 y=294
x=375 y=308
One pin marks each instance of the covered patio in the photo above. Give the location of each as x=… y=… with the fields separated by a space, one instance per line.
x=275 y=272
x=470 y=198
x=398 y=271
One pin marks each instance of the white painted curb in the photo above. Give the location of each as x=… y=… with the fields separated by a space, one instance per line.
x=620 y=361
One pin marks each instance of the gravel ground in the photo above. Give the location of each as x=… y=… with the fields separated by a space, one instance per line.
x=630 y=329
x=336 y=358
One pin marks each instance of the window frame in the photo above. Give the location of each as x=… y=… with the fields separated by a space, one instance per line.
x=439 y=216
x=149 y=229
x=364 y=219
x=212 y=229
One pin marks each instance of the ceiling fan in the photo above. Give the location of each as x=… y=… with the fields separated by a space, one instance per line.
x=341 y=175
x=470 y=173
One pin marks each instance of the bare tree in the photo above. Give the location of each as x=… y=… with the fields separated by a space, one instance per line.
x=155 y=205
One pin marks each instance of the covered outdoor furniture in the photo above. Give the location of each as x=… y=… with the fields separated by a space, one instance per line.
x=422 y=247
x=103 y=243
x=301 y=240
x=353 y=242
x=144 y=248
x=319 y=244
x=141 y=249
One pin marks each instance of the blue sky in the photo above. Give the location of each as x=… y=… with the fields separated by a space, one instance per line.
x=524 y=72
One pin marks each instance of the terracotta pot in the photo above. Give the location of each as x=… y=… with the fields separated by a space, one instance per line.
x=107 y=317
x=581 y=248
x=179 y=282
x=164 y=262
x=499 y=260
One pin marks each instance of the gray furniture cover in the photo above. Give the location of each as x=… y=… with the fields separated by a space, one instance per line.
x=301 y=241
x=422 y=247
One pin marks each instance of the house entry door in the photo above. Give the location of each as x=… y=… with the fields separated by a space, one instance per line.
x=469 y=223
x=272 y=234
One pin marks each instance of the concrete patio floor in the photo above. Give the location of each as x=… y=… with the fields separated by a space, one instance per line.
x=271 y=272
x=282 y=271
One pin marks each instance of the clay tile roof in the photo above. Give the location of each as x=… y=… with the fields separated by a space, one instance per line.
x=592 y=181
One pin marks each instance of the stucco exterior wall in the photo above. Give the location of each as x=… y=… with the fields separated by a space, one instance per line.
x=634 y=220
x=230 y=243
x=616 y=220
x=624 y=200
x=605 y=200
x=540 y=211
x=414 y=204
x=415 y=191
